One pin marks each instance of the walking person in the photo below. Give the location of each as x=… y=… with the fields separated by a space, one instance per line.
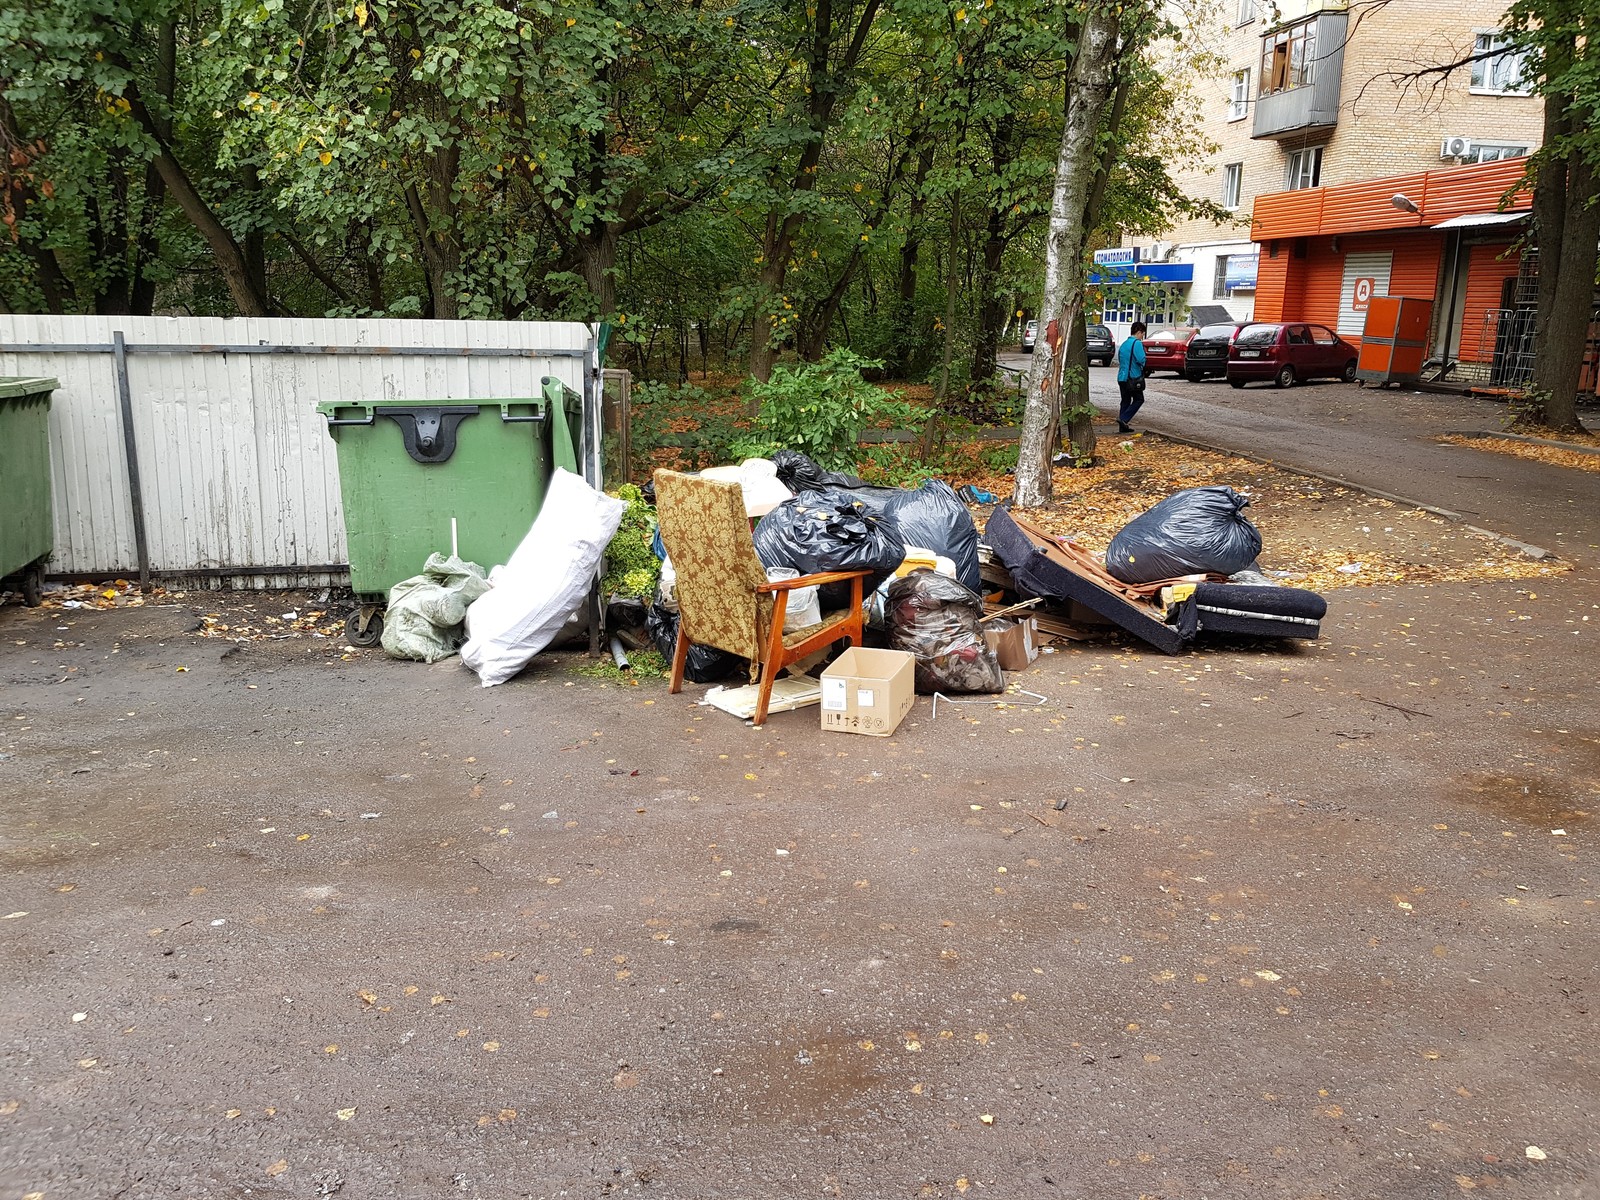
x=1130 y=376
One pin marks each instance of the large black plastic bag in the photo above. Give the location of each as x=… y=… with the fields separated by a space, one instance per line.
x=1197 y=530
x=704 y=664
x=940 y=620
x=934 y=518
x=931 y=516
x=830 y=530
x=800 y=473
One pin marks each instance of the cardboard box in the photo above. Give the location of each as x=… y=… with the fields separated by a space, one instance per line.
x=1015 y=642
x=868 y=691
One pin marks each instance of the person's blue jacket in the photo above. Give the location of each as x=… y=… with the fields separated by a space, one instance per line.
x=1130 y=357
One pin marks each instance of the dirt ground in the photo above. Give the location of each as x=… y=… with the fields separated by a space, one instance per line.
x=1317 y=920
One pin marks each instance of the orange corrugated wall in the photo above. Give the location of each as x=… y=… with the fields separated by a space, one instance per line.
x=1486 y=273
x=1271 y=280
x=1322 y=278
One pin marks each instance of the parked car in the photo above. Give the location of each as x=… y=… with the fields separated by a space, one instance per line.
x=1030 y=334
x=1100 y=346
x=1289 y=353
x=1207 y=352
x=1165 y=349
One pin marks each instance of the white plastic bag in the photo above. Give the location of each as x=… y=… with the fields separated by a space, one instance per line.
x=804 y=606
x=546 y=580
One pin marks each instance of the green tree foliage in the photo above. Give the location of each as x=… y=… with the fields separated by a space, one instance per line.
x=727 y=180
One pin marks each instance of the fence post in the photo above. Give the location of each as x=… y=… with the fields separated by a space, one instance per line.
x=119 y=353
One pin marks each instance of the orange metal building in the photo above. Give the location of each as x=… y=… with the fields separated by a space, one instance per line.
x=1325 y=251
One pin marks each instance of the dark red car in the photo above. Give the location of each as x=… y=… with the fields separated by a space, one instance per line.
x=1288 y=353
x=1166 y=349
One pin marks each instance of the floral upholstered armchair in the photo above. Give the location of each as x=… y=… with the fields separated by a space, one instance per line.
x=724 y=597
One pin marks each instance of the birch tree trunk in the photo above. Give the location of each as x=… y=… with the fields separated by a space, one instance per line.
x=1091 y=86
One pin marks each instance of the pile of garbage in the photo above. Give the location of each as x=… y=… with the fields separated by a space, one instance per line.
x=1185 y=567
x=807 y=521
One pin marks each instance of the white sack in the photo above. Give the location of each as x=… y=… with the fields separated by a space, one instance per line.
x=546 y=580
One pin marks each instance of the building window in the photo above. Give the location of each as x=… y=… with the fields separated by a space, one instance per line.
x=1232 y=184
x=1483 y=152
x=1120 y=306
x=1501 y=68
x=1305 y=169
x=1239 y=103
x=1289 y=58
x=1247 y=12
x=1219 y=281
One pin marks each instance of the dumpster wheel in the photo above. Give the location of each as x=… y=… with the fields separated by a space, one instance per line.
x=364 y=626
x=33 y=585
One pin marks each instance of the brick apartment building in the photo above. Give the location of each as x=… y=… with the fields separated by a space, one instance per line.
x=1309 y=99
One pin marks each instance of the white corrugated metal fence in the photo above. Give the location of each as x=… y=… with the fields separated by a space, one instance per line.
x=236 y=468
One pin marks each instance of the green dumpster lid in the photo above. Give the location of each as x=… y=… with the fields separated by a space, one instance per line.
x=12 y=386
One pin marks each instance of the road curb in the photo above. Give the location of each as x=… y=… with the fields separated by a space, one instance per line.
x=1537 y=553
x=1522 y=437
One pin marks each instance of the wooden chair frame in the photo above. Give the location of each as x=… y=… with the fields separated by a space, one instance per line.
x=777 y=655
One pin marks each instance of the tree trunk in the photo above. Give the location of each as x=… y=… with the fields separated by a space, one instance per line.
x=597 y=247
x=903 y=338
x=1090 y=90
x=1566 y=221
x=992 y=310
x=250 y=301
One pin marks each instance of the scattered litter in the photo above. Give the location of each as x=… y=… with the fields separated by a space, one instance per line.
x=1536 y=1154
x=219 y=921
x=996 y=700
x=789 y=693
x=781 y=853
x=292 y=615
x=370 y=816
x=1350 y=568
x=551 y=815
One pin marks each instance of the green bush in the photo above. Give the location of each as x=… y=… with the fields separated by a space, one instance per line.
x=631 y=565
x=822 y=408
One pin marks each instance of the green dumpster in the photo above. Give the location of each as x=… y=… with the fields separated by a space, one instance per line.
x=406 y=470
x=27 y=529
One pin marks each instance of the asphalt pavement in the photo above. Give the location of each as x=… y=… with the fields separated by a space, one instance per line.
x=1260 y=920
x=1382 y=440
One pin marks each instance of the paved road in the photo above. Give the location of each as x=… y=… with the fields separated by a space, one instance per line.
x=1385 y=441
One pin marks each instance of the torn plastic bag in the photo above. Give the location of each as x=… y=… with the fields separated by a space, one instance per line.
x=800 y=473
x=940 y=620
x=1195 y=531
x=830 y=530
x=426 y=614
x=704 y=664
x=545 y=581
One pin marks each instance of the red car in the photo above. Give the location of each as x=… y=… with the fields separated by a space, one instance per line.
x=1288 y=353
x=1167 y=349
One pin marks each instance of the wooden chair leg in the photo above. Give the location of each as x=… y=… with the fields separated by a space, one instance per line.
x=680 y=656
x=774 y=661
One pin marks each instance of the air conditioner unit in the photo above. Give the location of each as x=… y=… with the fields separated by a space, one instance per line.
x=1455 y=147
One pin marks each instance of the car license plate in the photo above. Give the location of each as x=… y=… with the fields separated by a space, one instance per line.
x=1249 y=354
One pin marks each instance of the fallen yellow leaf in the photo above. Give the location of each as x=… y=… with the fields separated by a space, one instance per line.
x=279 y=1167
x=345 y=1114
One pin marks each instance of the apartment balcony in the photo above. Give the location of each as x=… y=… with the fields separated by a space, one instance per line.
x=1302 y=67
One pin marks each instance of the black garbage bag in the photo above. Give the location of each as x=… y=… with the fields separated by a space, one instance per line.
x=940 y=620
x=704 y=664
x=800 y=473
x=933 y=517
x=830 y=530
x=1193 y=531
